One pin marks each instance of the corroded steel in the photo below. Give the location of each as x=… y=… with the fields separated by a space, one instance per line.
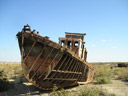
x=46 y=63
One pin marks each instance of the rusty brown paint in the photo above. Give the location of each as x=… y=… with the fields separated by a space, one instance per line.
x=29 y=51
x=42 y=63
x=52 y=66
x=66 y=68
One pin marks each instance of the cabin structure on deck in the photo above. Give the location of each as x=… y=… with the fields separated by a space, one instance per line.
x=75 y=42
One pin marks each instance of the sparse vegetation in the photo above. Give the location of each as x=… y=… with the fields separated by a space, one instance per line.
x=103 y=80
x=103 y=74
x=12 y=70
x=93 y=91
x=4 y=83
x=62 y=92
x=121 y=73
x=89 y=92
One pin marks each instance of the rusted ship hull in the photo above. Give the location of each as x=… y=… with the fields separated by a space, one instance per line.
x=47 y=64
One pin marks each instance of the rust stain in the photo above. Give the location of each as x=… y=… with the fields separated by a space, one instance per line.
x=46 y=63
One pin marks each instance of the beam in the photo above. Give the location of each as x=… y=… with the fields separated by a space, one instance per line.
x=22 y=44
x=62 y=79
x=60 y=71
x=36 y=59
x=42 y=63
x=29 y=50
x=51 y=63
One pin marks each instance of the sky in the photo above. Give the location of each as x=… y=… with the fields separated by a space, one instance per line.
x=104 y=21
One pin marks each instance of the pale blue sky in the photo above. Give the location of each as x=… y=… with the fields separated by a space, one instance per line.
x=104 y=21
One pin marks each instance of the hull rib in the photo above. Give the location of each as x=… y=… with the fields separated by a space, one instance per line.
x=46 y=63
x=36 y=60
x=51 y=64
x=42 y=63
x=29 y=51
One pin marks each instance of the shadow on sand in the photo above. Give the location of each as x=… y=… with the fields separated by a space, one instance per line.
x=21 y=87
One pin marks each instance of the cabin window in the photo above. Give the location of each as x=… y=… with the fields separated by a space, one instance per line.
x=69 y=43
x=62 y=42
x=76 y=44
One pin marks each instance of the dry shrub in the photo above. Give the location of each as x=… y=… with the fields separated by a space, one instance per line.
x=103 y=71
x=93 y=91
x=12 y=70
x=103 y=74
x=62 y=92
x=89 y=92
x=4 y=83
x=122 y=73
x=103 y=80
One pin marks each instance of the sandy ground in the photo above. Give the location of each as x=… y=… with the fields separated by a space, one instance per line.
x=117 y=87
x=21 y=87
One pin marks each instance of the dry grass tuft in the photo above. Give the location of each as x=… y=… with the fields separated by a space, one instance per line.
x=122 y=73
x=103 y=74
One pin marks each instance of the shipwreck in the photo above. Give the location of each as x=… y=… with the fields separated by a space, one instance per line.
x=46 y=63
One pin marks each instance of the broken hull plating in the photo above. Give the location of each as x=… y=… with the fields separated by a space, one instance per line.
x=47 y=64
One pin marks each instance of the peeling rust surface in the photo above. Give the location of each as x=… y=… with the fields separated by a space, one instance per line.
x=46 y=63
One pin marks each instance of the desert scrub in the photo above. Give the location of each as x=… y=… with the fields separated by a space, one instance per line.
x=4 y=83
x=103 y=80
x=93 y=91
x=62 y=92
x=121 y=73
x=12 y=70
x=103 y=71
x=89 y=92
x=103 y=74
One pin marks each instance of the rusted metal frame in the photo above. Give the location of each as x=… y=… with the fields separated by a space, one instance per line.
x=36 y=59
x=86 y=70
x=71 y=75
x=42 y=63
x=56 y=65
x=66 y=63
x=47 y=68
x=69 y=72
x=66 y=71
x=72 y=67
x=79 y=70
x=61 y=79
x=82 y=70
x=51 y=63
x=29 y=50
x=22 y=48
x=57 y=75
x=45 y=61
x=70 y=64
x=75 y=68
x=61 y=64
x=67 y=75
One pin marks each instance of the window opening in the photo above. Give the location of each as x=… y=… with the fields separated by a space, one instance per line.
x=69 y=43
x=62 y=42
x=76 y=44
